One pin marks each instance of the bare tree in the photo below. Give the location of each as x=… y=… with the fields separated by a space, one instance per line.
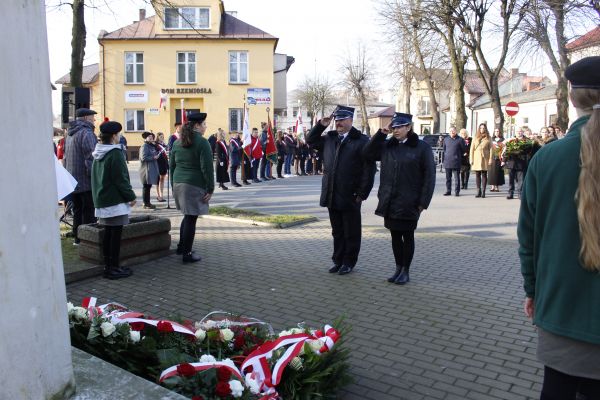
x=315 y=95
x=359 y=74
x=544 y=28
x=77 y=42
x=474 y=20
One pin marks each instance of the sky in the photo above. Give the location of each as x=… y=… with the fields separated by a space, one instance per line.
x=315 y=32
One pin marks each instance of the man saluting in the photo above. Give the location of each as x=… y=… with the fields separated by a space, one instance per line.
x=347 y=182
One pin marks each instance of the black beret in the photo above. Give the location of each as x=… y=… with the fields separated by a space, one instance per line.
x=146 y=134
x=585 y=73
x=196 y=117
x=83 y=112
x=110 y=127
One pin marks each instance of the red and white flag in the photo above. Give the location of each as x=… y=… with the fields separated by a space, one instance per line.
x=246 y=133
x=163 y=100
x=183 y=113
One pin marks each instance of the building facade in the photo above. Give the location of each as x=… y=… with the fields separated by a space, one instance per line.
x=191 y=55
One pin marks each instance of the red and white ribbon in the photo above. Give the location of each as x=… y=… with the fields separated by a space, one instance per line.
x=203 y=366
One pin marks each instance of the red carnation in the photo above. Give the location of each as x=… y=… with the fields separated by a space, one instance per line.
x=186 y=369
x=223 y=374
x=222 y=389
x=164 y=326
x=136 y=326
x=239 y=342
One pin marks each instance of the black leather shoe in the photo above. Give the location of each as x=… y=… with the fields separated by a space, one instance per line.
x=392 y=278
x=191 y=258
x=246 y=183
x=447 y=194
x=179 y=250
x=117 y=273
x=402 y=278
x=456 y=194
x=237 y=185
x=345 y=269
x=335 y=269
x=510 y=197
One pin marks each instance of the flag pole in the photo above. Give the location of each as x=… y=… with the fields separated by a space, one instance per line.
x=243 y=169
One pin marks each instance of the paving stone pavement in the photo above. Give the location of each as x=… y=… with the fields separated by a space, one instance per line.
x=456 y=331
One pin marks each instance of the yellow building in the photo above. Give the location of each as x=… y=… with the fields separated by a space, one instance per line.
x=191 y=53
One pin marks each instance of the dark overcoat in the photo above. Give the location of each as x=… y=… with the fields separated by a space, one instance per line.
x=346 y=174
x=407 y=175
x=222 y=162
x=454 y=148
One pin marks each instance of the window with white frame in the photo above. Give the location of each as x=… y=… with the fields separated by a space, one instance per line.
x=238 y=67
x=424 y=106
x=134 y=67
x=235 y=119
x=295 y=111
x=187 y=18
x=186 y=67
x=134 y=120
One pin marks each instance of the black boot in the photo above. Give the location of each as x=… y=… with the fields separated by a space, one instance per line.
x=392 y=278
x=478 y=193
x=402 y=277
x=483 y=193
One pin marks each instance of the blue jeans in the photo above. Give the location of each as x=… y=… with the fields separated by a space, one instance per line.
x=287 y=168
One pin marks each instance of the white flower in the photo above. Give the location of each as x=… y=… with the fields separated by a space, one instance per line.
x=236 y=388
x=252 y=384
x=209 y=324
x=200 y=334
x=134 y=336
x=79 y=313
x=107 y=328
x=316 y=345
x=296 y=363
x=208 y=358
x=69 y=307
x=284 y=333
x=295 y=331
x=227 y=334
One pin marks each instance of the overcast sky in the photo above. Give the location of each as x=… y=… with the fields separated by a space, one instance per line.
x=315 y=32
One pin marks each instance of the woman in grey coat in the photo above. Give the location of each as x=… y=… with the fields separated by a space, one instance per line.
x=148 y=168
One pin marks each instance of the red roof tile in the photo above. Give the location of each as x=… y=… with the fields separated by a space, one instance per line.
x=589 y=39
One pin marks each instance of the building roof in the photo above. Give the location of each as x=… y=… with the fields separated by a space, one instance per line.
x=231 y=28
x=90 y=75
x=589 y=39
x=386 y=112
x=545 y=93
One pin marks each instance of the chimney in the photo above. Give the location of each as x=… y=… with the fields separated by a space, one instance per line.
x=142 y=14
x=514 y=72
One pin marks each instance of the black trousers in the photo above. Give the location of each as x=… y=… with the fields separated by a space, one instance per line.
x=465 y=171
x=481 y=177
x=111 y=246
x=187 y=232
x=255 y=165
x=346 y=232
x=247 y=169
x=449 y=173
x=403 y=245
x=515 y=177
x=280 y=162
x=146 y=194
x=559 y=386
x=83 y=211
x=233 y=174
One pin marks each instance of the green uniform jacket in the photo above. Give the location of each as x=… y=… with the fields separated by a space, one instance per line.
x=110 y=180
x=193 y=165
x=566 y=296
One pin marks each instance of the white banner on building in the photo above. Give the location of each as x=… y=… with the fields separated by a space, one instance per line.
x=256 y=96
x=136 y=96
x=153 y=111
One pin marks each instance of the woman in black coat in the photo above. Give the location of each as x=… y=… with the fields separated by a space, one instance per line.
x=495 y=171
x=405 y=186
x=222 y=161
x=281 y=150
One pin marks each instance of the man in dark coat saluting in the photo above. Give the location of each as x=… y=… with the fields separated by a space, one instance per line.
x=347 y=182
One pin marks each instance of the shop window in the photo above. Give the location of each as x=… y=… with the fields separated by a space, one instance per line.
x=186 y=67
x=235 y=119
x=238 y=67
x=134 y=67
x=187 y=18
x=134 y=120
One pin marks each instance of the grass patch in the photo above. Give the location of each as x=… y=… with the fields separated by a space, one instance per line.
x=224 y=211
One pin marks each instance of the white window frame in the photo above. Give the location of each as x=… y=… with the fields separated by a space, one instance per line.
x=135 y=64
x=239 y=65
x=239 y=117
x=136 y=127
x=181 y=21
x=426 y=102
x=186 y=63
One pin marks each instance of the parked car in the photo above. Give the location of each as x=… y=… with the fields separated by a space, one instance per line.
x=433 y=140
